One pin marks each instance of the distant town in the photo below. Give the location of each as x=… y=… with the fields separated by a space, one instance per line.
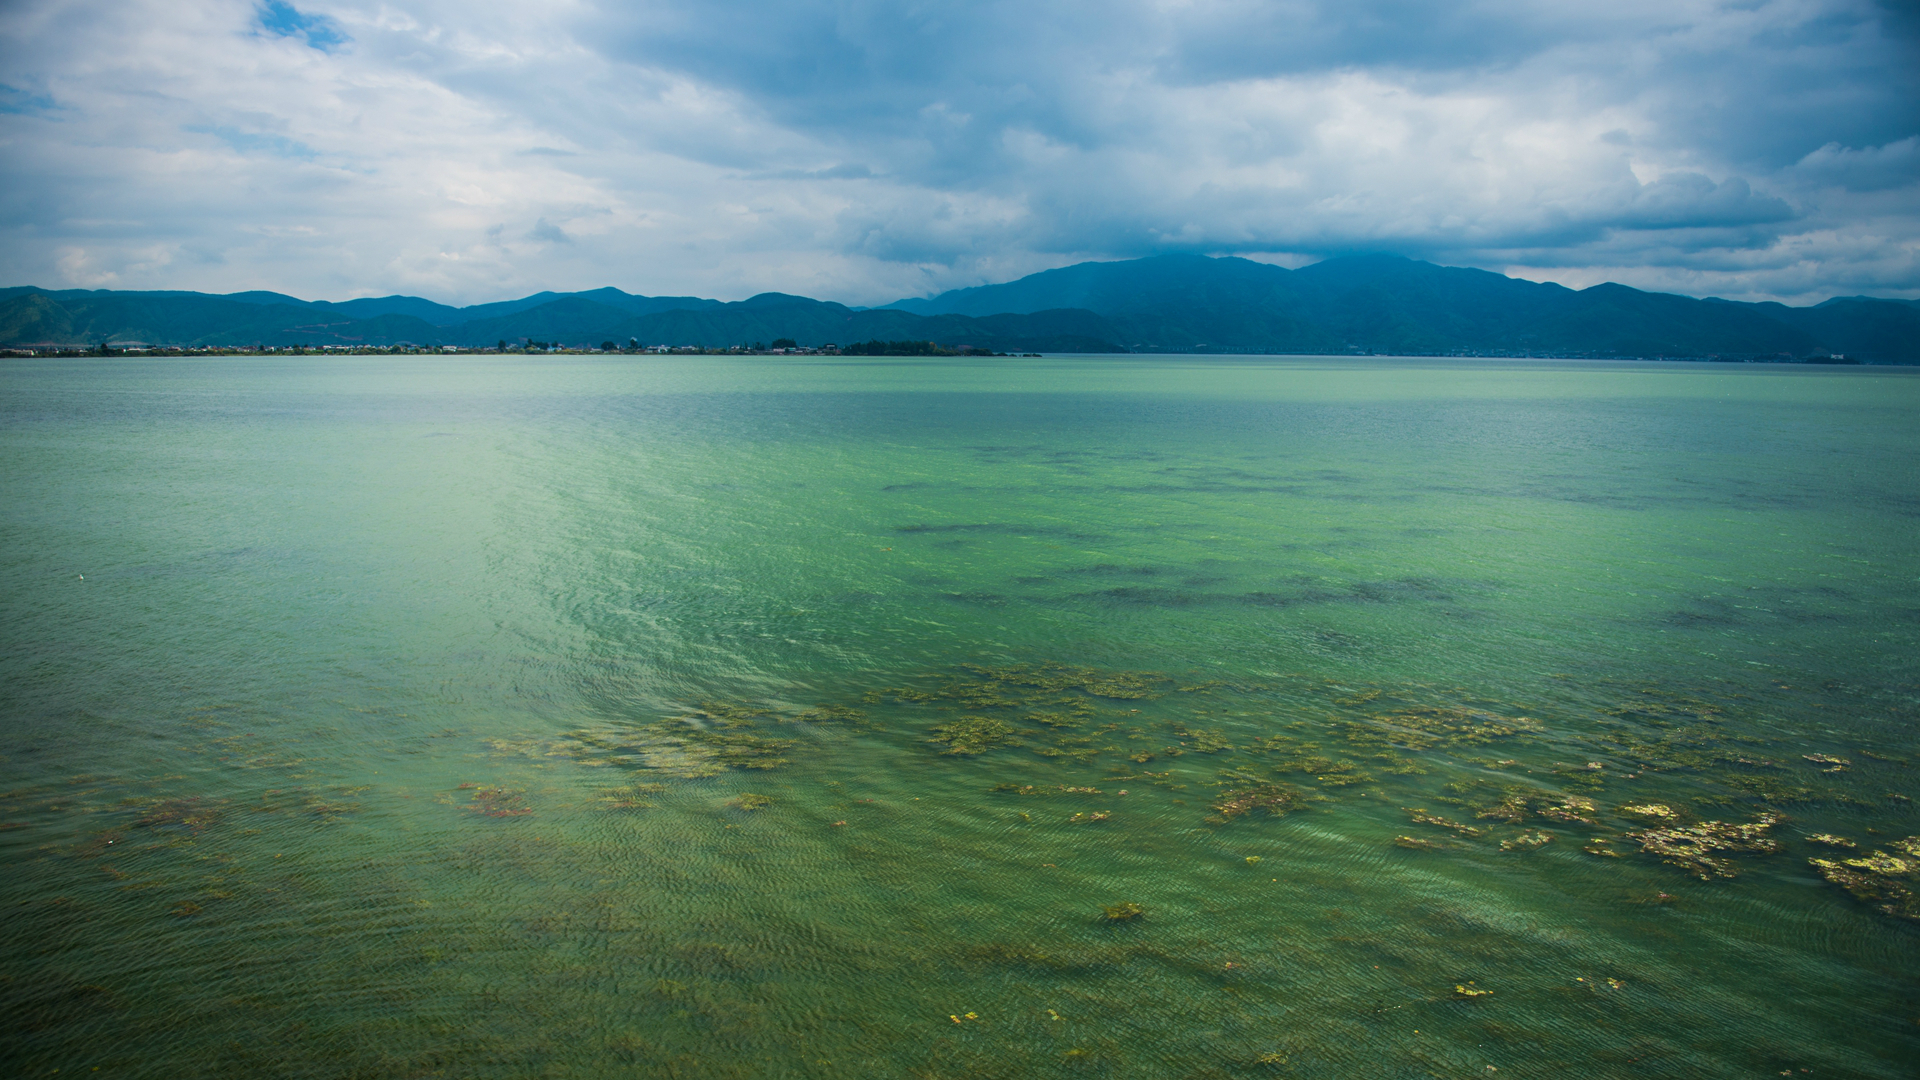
x=782 y=347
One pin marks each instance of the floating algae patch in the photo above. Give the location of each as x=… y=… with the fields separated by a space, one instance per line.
x=1527 y=841
x=1427 y=725
x=1045 y=790
x=1695 y=848
x=1885 y=881
x=1200 y=740
x=1421 y=817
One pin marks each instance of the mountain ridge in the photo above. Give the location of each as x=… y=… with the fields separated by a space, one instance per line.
x=1167 y=303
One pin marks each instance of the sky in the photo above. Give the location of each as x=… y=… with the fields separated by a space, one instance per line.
x=863 y=151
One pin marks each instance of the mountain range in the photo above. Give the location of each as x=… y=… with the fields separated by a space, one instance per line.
x=1168 y=303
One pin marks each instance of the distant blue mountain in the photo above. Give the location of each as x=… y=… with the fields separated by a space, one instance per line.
x=1387 y=304
x=1362 y=304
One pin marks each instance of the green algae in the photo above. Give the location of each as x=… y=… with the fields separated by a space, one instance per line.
x=970 y=735
x=1695 y=848
x=831 y=714
x=496 y=801
x=1886 y=882
x=1527 y=841
x=1201 y=740
x=1276 y=799
x=683 y=747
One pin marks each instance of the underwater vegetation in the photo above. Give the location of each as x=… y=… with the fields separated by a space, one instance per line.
x=973 y=734
x=1273 y=798
x=1500 y=776
x=496 y=802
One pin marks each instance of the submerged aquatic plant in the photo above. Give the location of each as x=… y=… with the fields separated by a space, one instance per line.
x=1275 y=799
x=972 y=734
x=1054 y=678
x=750 y=801
x=682 y=747
x=191 y=813
x=831 y=714
x=499 y=802
x=1124 y=911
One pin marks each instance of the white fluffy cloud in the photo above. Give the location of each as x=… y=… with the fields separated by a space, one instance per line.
x=861 y=150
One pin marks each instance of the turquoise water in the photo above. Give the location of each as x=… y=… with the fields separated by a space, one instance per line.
x=716 y=717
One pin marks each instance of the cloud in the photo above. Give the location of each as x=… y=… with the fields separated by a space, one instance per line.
x=1872 y=168
x=862 y=150
x=547 y=233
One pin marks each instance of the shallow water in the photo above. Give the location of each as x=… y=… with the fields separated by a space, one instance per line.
x=383 y=717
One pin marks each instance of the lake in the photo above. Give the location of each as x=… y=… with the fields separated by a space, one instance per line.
x=1105 y=716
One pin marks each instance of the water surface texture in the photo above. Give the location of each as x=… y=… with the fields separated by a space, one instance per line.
x=735 y=717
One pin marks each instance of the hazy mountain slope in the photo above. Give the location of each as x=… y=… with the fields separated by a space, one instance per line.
x=1108 y=288
x=1887 y=331
x=374 y=306
x=812 y=322
x=570 y=320
x=93 y=317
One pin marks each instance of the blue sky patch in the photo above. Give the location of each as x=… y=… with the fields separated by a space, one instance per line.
x=20 y=102
x=248 y=142
x=285 y=20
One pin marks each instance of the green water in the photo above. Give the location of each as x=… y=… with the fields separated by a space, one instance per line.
x=369 y=717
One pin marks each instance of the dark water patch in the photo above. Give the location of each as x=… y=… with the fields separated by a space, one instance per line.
x=1414 y=590
x=1150 y=597
x=918 y=485
x=997 y=529
x=982 y=599
x=1116 y=570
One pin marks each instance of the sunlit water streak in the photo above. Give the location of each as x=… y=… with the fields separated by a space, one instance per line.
x=381 y=717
